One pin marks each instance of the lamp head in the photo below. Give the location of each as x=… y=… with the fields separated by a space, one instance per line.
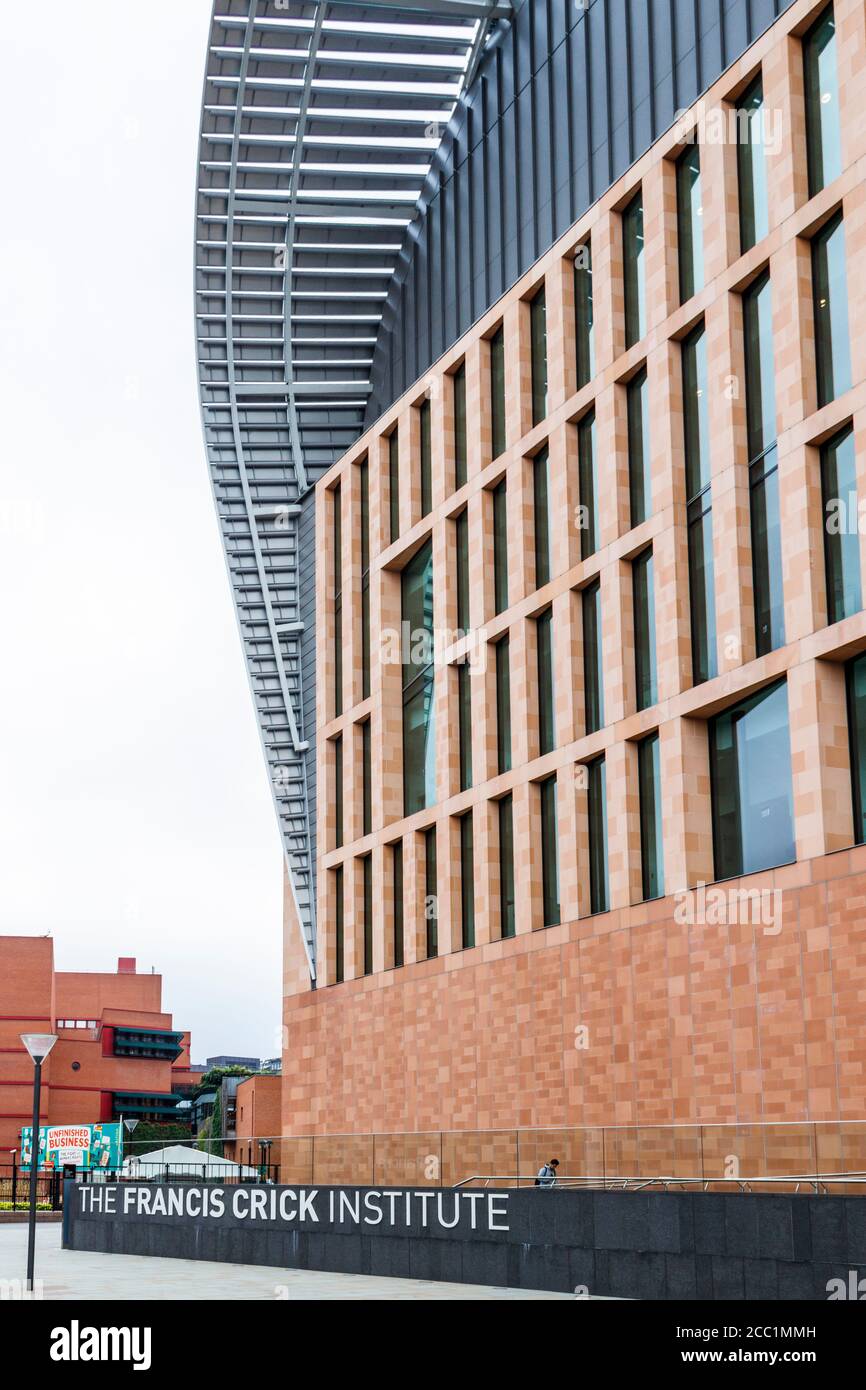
x=38 y=1044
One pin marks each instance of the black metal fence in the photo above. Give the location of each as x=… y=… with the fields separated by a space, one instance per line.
x=213 y=1173
x=15 y=1188
x=15 y=1180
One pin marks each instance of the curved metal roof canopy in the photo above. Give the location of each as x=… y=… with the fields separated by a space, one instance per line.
x=319 y=124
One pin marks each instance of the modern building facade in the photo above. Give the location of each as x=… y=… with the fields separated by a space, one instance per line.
x=586 y=734
x=117 y=1051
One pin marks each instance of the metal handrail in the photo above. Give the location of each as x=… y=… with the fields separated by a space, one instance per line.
x=819 y=1182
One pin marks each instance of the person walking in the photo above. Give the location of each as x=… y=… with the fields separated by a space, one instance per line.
x=547 y=1173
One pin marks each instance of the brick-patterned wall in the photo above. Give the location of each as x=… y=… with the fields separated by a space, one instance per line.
x=688 y=1022
x=684 y=1024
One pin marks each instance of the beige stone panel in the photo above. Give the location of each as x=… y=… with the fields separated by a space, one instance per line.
x=820 y=758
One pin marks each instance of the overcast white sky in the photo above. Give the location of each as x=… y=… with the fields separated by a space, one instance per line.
x=135 y=816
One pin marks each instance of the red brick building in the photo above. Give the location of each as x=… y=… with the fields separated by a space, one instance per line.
x=118 y=1052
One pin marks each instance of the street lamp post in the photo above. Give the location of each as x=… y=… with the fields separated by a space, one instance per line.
x=38 y=1045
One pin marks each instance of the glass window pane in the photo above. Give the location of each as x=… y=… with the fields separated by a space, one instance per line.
x=546 y=722
x=751 y=166
x=767 y=554
x=506 y=869
x=394 y=485
x=426 y=461
x=459 y=380
x=467 y=882
x=541 y=495
x=503 y=706
x=367 y=873
x=366 y=777
x=500 y=547
x=339 y=928
x=497 y=391
x=419 y=766
x=584 y=326
x=856 y=673
x=338 y=599
x=397 y=866
x=461 y=526
x=651 y=849
x=830 y=300
x=338 y=792
x=597 y=806
x=760 y=375
x=587 y=485
x=702 y=599
x=549 y=853
x=464 y=704
x=640 y=492
x=634 y=271
x=823 y=142
x=841 y=529
x=690 y=222
x=696 y=424
x=365 y=581
x=750 y=777
x=538 y=355
x=431 y=898
x=593 y=683
x=643 y=591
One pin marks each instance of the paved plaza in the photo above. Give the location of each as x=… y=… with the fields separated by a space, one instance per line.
x=80 y=1274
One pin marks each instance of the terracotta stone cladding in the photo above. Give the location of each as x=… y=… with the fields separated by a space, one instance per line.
x=685 y=1023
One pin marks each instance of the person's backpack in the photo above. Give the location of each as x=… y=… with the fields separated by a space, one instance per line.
x=546 y=1172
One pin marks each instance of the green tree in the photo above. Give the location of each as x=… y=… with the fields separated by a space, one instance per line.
x=216 y=1127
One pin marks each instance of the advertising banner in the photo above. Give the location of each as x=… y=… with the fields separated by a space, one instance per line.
x=87 y=1146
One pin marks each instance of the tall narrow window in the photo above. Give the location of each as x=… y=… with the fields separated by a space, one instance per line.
x=823 y=141
x=397 y=884
x=419 y=760
x=592 y=667
x=751 y=167
x=461 y=537
x=538 y=355
x=549 y=853
x=830 y=302
x=651 y=853
x=426 y=459
x=394 y=484
x=503 y=706
x=367 y=779
x=597 y=808
x=699 y=506
x=365 y=580
x=643 y=591
x=338 y=792
x=856 y=675
x=639 y=487
x=750 y=785
x=367 y=876
x=587 y=485
x=339 y=928
x=338 y=600
x=583 y=315
x=459 y=387
x=546 y=720
x=541 y=498
x=497 y=391
x=634 y=271
x=464 y=719
x=841 y=529
x=763 y=468
x=500 y=547
x=690 y=222
x=467 y=883
x=431 y=896
x=506 y=868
